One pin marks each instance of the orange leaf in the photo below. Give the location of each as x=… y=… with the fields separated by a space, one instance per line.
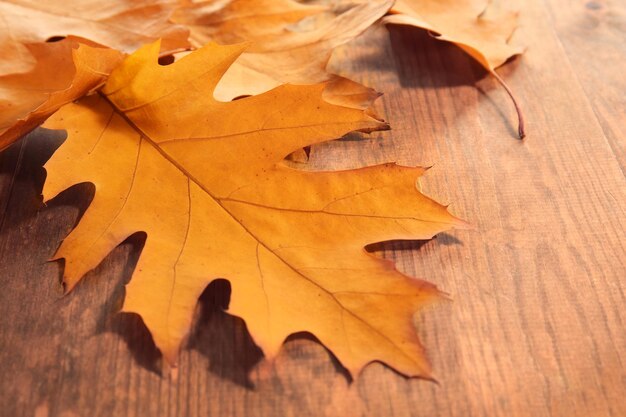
x=284 y=48
x=205 y=180
x=26 y=100
x=120 y=24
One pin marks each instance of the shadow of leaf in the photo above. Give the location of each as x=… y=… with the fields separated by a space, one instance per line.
x=96 y=301
x=223 y=338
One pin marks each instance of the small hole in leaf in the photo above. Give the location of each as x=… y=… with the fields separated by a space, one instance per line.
x=241 y=96
x=166 y=60
x=55 y=39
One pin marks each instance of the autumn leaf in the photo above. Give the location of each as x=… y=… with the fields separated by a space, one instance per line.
x=205 y=181
x=237 y=21
x=479 y=27
x=27 y=100
x=119 y=24
x=283 y=48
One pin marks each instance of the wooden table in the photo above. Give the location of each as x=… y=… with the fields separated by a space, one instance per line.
x=536 y=326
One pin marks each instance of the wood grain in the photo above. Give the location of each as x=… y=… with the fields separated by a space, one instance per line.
x=591 y=33
x=536 y=326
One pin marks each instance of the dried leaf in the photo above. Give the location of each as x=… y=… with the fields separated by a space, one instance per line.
x=27 y=100
x=282 y=48
x=480 y=30
x=479 y=27
x=205 y=181
x=120 y=24
x=238 y=21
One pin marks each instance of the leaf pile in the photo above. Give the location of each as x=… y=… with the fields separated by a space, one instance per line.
x=192 y=153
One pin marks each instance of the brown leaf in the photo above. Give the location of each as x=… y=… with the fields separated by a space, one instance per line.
x=480 y=27
x=119 y=24
x=283 y=48
x=205 y=181
x=27 y=100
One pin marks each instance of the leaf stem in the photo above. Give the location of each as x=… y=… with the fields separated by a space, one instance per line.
x=520 y=116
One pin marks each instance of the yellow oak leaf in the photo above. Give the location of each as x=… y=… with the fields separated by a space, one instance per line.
x=206 y=181
x=28 y=99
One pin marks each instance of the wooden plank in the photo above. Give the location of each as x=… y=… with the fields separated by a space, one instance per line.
x=537 y=322
x=592 y=34
x=550 y=215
